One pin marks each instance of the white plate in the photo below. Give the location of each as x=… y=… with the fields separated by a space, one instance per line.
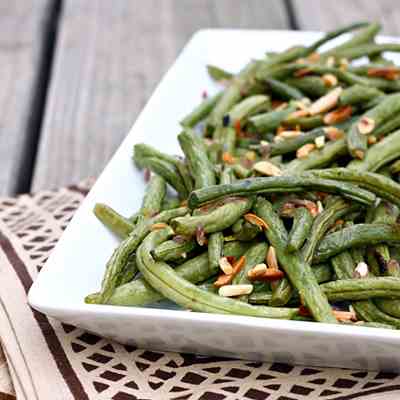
x=76 y=266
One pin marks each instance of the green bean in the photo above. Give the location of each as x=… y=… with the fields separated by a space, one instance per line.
x=323 y=221
x=356 y=141
x=215 y=248
x=218 y=74
x=195 y=270
x=217 y=220
x=318 y=158
x=201 y=111
x=247 y=107
x=362 y=289
x=128 y=272
x=153 y=196
x=357 y=94
x=380 y=154
x=232 y=94
x=168 y=171
x=364 y=36
x=118 y=224
x=127 y=247
x=368 y=49
x=227 y=176
x=173 y=250
x=382 y=186
x=306 y=123
x=165 y=280
x=367 y=311
x=142 y=151
x=395 y=167
x=260 y=298
x=244 y=231
x=312 y=86
x=388 y=127
x=276 y=184
x=269 y=121
x=228 y=140
x=240 y=171
x=214 y=152
x=299 y=272
x=284 y=90
x=302 y=222
x=169 y=203
x=357 y=235
x=289 y=145
x=184 y=172
x=196 y=154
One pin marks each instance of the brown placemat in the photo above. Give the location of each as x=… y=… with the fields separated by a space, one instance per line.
x=50 y=360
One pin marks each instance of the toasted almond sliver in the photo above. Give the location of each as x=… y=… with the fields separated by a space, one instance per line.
x=251 y=155
x=319 y=142
x=361 y=270
x=327 y=102
x=228 y=158
x=330 y=61
x=333 y=133
x=235 y=290
x=343 y=64
x=257 y=270
x=320 y=207
x=372 y=139
x=390 y=73
x=338 y=115
x=345 y=315
x=298 y=114
x=282 y=106
x=267 y=168
x=225 y=265
x=158 y=225
x=302 y=72
x=271 y=258
x=225 y=279
x=255 y=220
x=290 y=134
x=366 y=125
x=305 y=150
x=330 y=80
x=270 y=275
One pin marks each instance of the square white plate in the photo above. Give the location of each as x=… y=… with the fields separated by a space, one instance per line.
x=76 y=266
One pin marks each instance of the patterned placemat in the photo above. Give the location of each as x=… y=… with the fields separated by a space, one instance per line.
x=50 y=360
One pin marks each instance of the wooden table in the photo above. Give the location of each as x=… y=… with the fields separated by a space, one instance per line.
x=75 y=74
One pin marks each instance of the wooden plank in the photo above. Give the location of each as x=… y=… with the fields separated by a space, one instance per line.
x=23 y=29
x=109 y=57
x=326 y=15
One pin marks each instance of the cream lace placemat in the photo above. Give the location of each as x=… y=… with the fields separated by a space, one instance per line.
x=50 y=360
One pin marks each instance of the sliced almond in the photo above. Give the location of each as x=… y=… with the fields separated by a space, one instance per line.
x=314 y=57
x=235 y=290
x=282 y=106
x=343 y=64
x=389 y=73
x=267 y=168
x=330 y=61
x=228 y=158
x=338 y=115
x=226 y=279
x=299 y=114
x=320 y=207
x=302 y=104
x=365 y=125
x=251 y=155
x=271 y=259
x=256 y=271
x=270 y=275
x=327 y=102
x=333 y=133
x=361 y=270
x=305 y=150
x=319 y=142
x=330 y=80
x=158 y=226
x=310 y=205
x=289 y=134
x=302 y=72
x=225 y=265
x=345 y=315
x=255 y=220
x=372 y=139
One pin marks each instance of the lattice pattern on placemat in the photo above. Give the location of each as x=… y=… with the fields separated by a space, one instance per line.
x=108 y=370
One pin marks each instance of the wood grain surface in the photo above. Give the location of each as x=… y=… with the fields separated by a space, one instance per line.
x=23 y=25
x=108 y=61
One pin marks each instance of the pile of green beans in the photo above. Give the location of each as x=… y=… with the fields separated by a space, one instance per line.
x=286 y=201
